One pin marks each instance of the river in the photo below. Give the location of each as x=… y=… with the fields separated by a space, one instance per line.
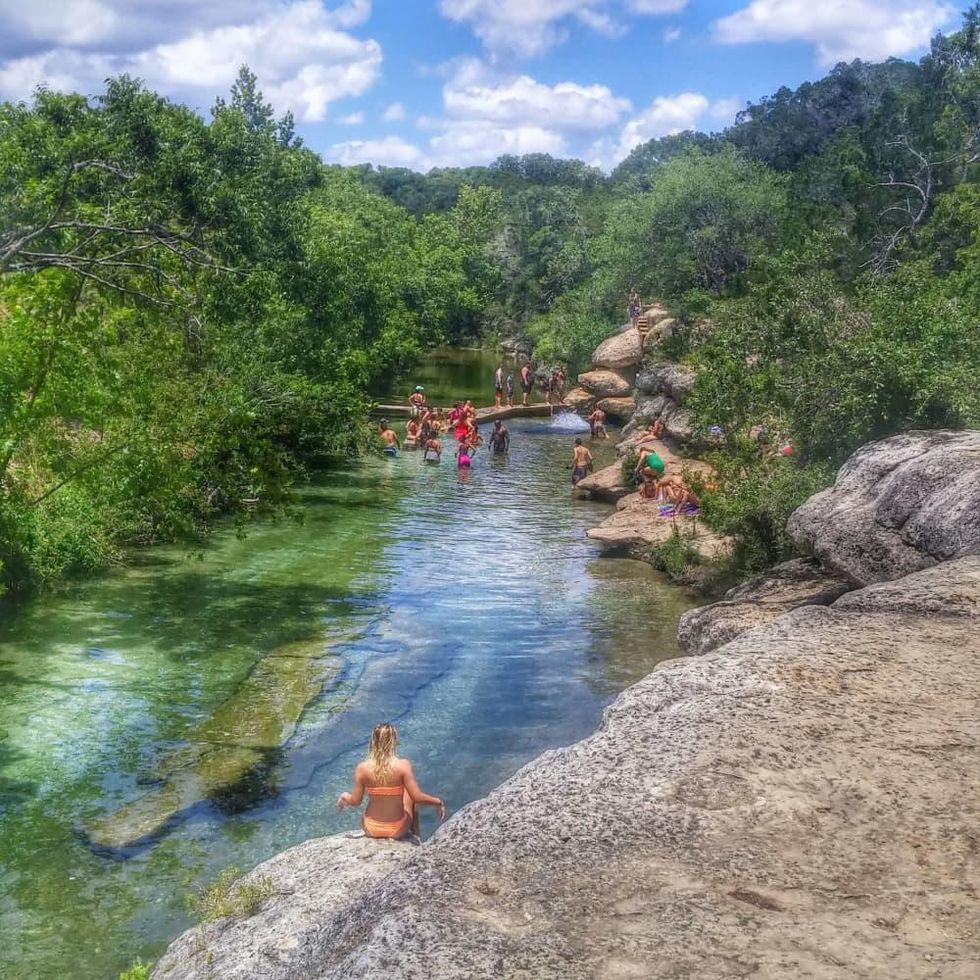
x=468 y=608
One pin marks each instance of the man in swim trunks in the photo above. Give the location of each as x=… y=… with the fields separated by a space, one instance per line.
x=433 y=450
x=498 y=383
x=581 y=462
x=499 y=438
x=527 y=382
x=597 y=423
x=509 y=384
x=389 y=438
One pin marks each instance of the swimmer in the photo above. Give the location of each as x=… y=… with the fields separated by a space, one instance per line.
x=412 y=431
x=388 y=437
x=463 y=458
x=499 y=438
x=433 y=450
x=581 y=462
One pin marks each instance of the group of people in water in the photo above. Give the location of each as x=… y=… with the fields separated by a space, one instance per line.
x=429 y=427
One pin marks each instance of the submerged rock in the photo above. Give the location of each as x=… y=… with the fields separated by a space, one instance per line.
x=802 y=802
x=899 y=505
x=228 y=751
x=801 y=582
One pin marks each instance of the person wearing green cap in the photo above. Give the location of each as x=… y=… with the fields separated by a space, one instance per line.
x=417 y=400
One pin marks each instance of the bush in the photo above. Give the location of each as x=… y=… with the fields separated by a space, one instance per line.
x=138 y=970
x=230 y=897
x=677 y=557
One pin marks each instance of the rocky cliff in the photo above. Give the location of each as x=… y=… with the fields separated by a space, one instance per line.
x=801 y=802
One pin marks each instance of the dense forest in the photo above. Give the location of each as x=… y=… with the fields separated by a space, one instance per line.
x=193 y=312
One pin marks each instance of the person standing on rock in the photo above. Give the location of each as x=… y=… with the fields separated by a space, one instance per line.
x=633 y=308
x=581 y=462
x=527 y=382
x=393 y=794
x=509 y=384
x=498 y=381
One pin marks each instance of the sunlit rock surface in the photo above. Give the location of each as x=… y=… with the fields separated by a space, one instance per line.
x=899 y=505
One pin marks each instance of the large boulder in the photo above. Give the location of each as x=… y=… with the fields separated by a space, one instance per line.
x=605 y=384
x=606 y=484
x=618 y=409
x=658 y=333
x=624 y=350
x=667 y=378
x=308 y=885
x=650 y=407
x=800 y=803
x=758 y=602
x=580 y=400
x=678 y=427
x=898 y=506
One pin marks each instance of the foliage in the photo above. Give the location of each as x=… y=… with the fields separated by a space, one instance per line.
x=750 y=499
x=193 y=313
x=231 y=897
x=138 y=970
x=678 y=557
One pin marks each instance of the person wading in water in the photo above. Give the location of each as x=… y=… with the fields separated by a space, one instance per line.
x=393 y=794
x=581 y=462
x=499 y=438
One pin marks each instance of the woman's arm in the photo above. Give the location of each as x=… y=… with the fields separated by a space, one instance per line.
x=415 y=792
x=354 y=797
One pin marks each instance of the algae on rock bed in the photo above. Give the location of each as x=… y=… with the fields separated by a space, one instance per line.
x=227 y=747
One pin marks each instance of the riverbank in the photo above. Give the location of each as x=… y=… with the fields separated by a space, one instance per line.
x=802 y=801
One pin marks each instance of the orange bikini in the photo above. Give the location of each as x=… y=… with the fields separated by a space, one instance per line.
x=386 y=828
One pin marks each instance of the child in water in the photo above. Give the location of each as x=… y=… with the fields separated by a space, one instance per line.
x=463 y=459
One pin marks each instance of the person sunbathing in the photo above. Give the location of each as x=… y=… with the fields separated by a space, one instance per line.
x=393 y=794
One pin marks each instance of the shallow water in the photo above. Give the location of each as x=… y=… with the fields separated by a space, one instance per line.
x=468 y=608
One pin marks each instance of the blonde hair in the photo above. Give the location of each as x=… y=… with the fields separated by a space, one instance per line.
x=381 y=750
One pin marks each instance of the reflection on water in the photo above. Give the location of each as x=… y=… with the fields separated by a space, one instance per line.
x=472 y=611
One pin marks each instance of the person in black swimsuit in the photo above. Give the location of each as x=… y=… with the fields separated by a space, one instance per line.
x=499 y=438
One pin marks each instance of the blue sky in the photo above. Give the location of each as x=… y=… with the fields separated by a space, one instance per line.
x=424 y=83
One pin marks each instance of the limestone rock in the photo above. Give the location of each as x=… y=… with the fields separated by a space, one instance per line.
x=605 y=384
x=678 y=425
x=637 y=526
x=605 y=484
x=624 y=350
x=311 y=884
x=667 y=378
x=800 y=803
x=899 y=505
x=658 y=333
x=801 y=582
x=579 y=400
x=650 y=407
x=618 y=409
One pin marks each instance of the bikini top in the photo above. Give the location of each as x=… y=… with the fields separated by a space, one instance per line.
x=385 y=790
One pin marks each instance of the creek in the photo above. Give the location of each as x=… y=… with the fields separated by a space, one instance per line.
x=192 y=712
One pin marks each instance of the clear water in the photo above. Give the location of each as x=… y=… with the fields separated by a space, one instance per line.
x=468 y=608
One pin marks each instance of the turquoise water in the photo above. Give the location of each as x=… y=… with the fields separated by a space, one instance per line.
x=468 y=608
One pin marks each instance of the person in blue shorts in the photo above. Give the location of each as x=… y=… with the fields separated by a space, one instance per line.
x=389 y=438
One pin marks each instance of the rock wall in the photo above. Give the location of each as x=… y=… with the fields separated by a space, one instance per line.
x=801 y=802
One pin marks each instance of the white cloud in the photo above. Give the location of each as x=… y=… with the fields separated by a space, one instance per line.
x=841 y=30
x=724 y=111
x=470 y=143
x=394 y=113
x=475 y=94
x=528 y=27
x=303 y=59
x=392 y=151
x=671 y=35
x=351 y=119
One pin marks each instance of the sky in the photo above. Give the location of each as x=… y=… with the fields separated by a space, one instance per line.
x=435 y=83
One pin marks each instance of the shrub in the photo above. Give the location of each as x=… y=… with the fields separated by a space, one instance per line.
x=230 y=897
x=138 y=970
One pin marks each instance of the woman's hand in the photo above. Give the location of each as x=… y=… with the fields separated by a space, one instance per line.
x=342 y=801
x=442 y=812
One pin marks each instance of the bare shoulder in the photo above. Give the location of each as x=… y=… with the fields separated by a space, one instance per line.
x=402 y=766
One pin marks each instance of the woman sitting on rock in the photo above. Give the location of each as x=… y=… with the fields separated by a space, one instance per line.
x=393 y=793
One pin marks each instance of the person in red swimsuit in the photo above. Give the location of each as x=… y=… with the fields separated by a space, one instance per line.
x=393 y=794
